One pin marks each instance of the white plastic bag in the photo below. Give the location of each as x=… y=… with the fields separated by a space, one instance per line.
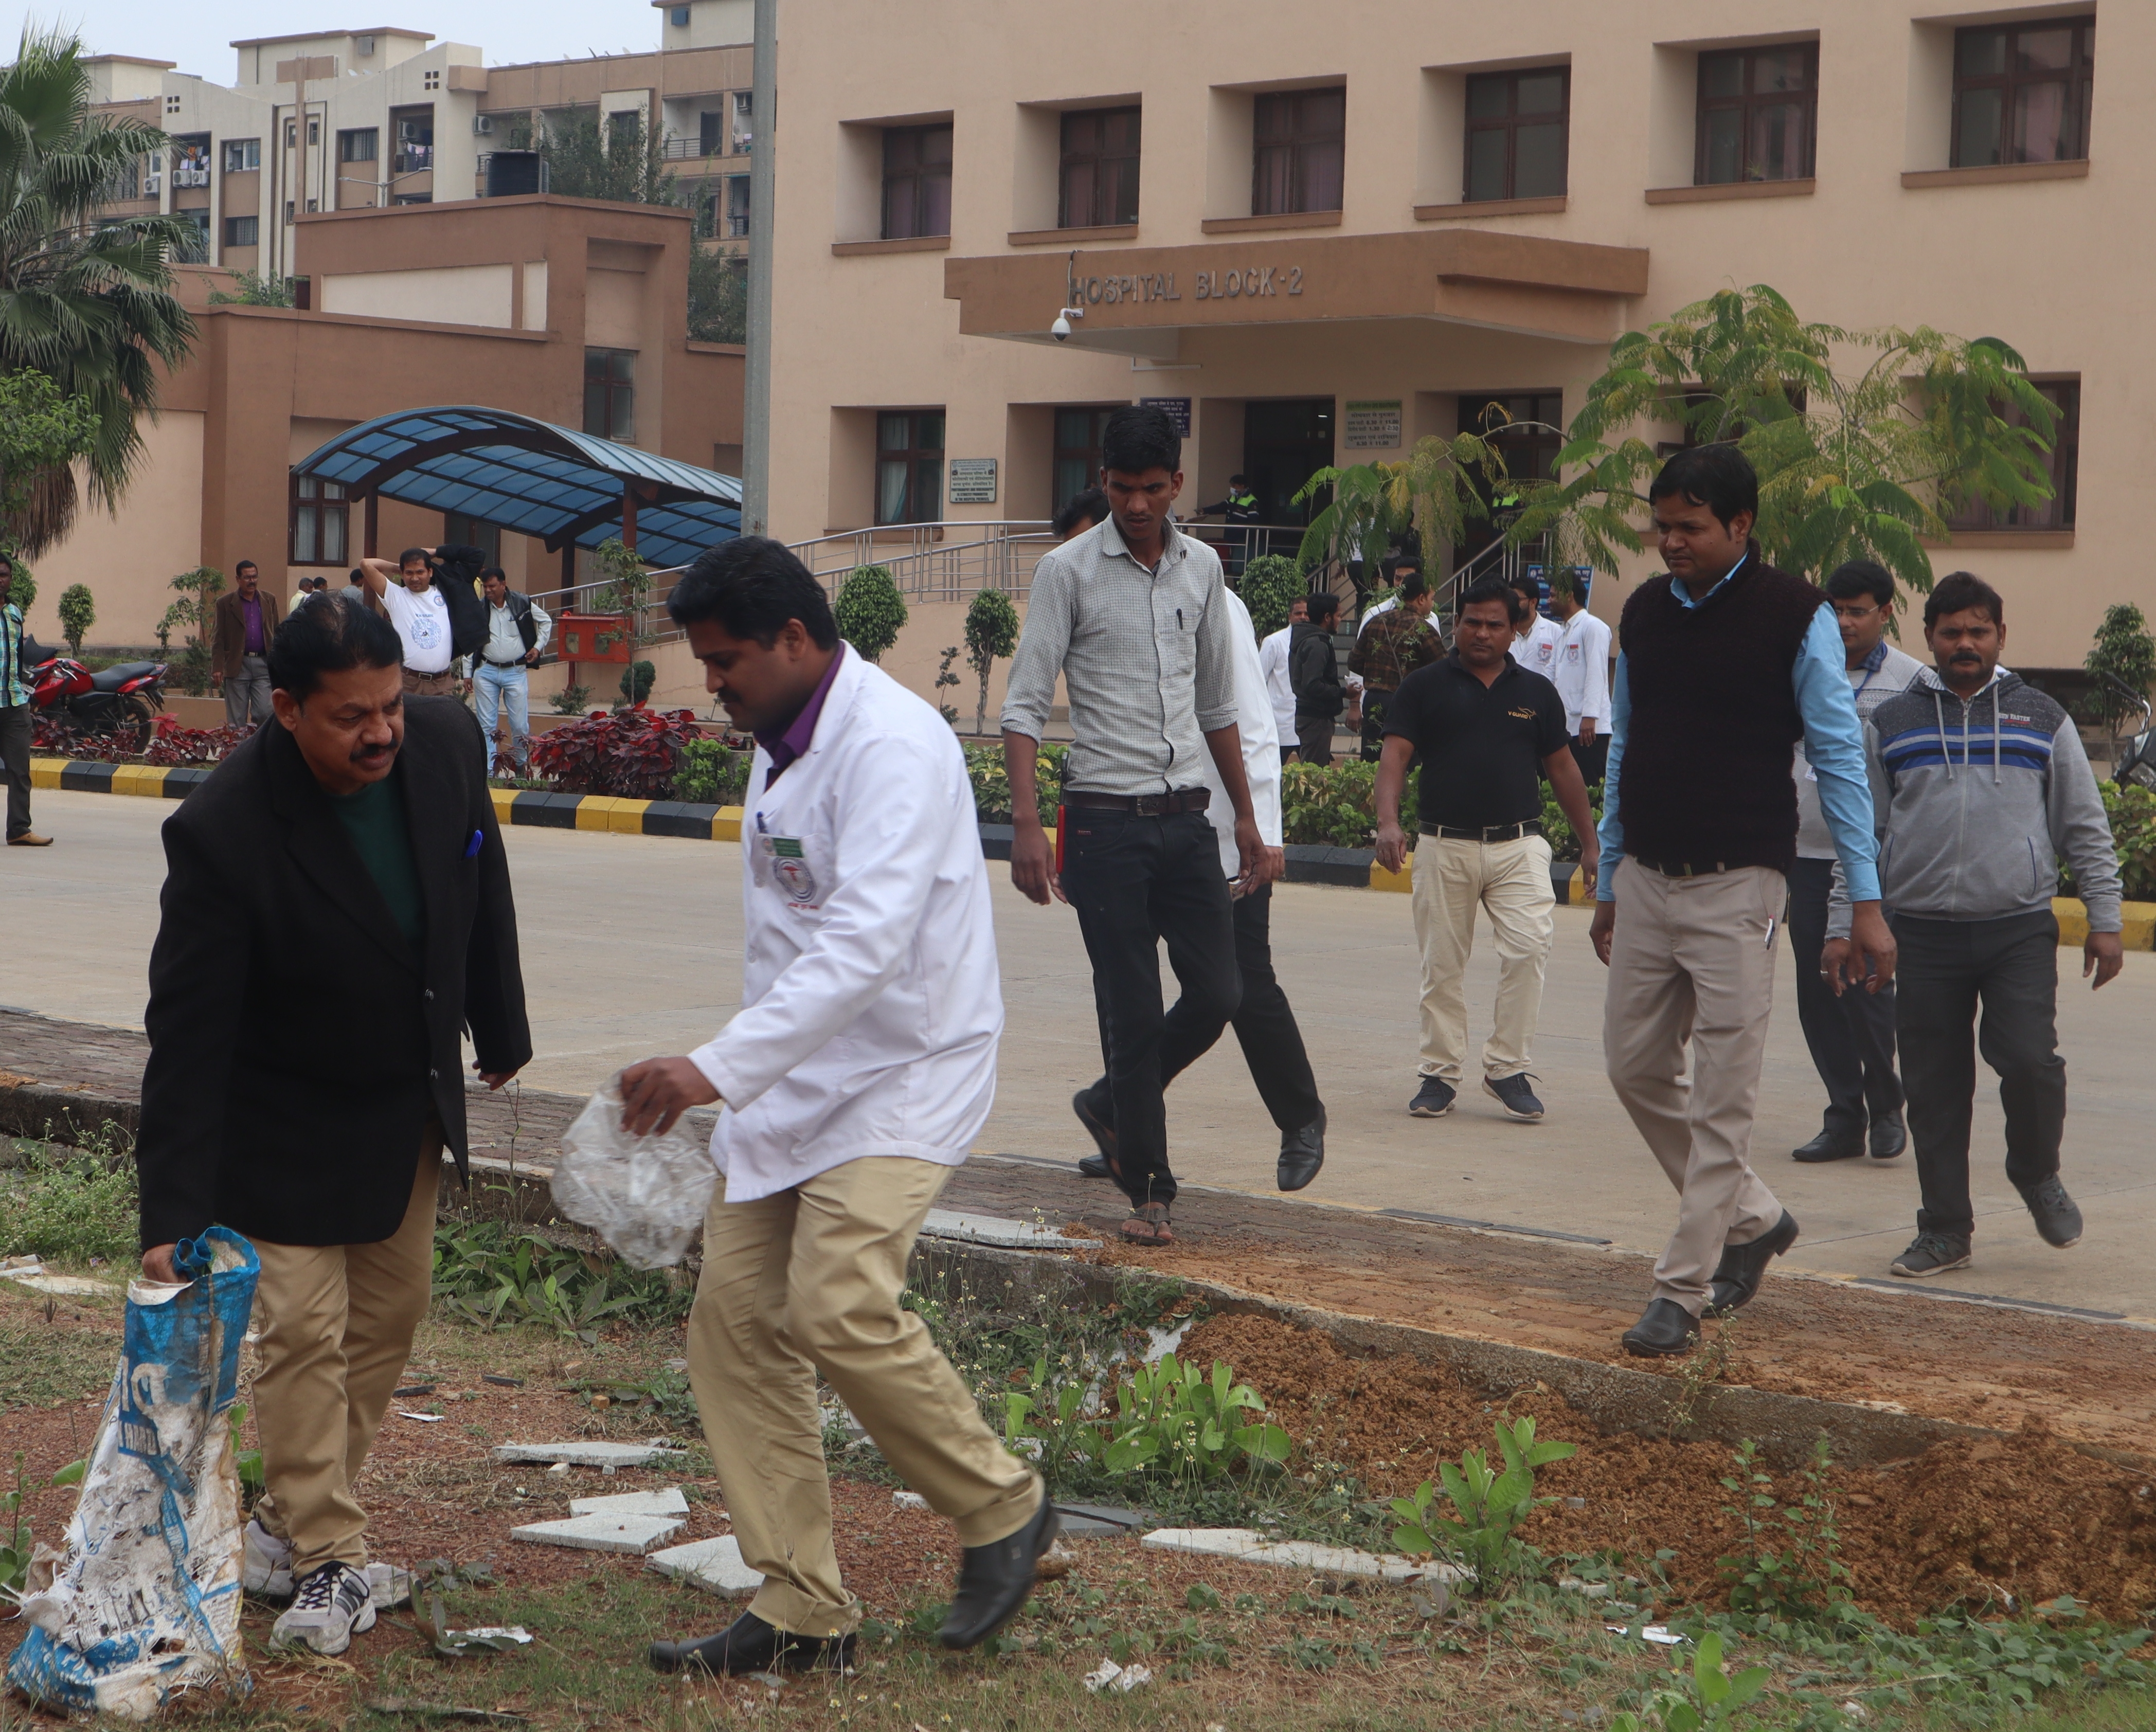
x=646 y=1195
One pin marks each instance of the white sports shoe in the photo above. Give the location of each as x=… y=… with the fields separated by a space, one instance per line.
x=331 y=1606
x=265 y=1562
x=390 y=1585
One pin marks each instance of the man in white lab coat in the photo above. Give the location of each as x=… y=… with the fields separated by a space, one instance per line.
x=1272 y=666
x=856 y=1076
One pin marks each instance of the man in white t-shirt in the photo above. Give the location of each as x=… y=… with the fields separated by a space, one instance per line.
x=1535 y=635
x=1272 y=663
x=420 y=613
x=1581 y=675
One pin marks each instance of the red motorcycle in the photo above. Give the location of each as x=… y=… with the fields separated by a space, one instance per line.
x=121 y=702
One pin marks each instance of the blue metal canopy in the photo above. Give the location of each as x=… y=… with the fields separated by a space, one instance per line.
x=534 y=478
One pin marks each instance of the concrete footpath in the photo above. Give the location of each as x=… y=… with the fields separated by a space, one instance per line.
x=633 y=947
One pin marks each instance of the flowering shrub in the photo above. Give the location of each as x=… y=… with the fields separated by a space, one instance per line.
x=631 y=754
x=171 y=746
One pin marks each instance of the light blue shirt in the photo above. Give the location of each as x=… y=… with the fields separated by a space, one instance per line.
x=1834 y=742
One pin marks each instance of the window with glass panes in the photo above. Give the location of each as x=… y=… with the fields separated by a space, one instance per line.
x=1100 y=183
x=738 y=187
x=1298 y=141
x=459 y=530
x=2064 y=467
x=319 y=515
x=1077 y=454
x=916 y=181
x=1758 y=112
x=1516 y=123
x=2021 y=92
x=610 y=393
x=242 y=155
x=910 y=466
x=362 y=144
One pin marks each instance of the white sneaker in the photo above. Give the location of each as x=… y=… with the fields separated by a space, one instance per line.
x=390 y=1585
x=265 y=1562
x=331 y=1606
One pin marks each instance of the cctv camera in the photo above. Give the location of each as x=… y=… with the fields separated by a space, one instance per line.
x=1060 y=329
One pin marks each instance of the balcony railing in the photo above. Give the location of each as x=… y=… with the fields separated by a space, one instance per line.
x=414 y=159
x=691 y=148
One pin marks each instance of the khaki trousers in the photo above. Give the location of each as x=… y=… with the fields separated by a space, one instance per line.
x=336 y=1322
x=1693 y=959
x=809 y=1280
x=1511 y=880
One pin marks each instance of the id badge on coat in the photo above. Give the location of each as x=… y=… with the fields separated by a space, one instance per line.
x=789 y=868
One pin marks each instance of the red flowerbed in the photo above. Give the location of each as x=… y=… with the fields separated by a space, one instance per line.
x=630 y=754
x=171 y=745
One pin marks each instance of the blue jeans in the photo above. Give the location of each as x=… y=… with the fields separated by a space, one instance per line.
x=494 y=687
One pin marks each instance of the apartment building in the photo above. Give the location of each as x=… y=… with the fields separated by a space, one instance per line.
x=366 y=119
x=1318 y=241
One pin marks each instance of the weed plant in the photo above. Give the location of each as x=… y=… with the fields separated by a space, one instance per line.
x=492 y=1273
x=1488 y=1504
x=72 y=1204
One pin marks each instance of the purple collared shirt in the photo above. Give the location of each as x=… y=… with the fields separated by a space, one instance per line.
x=784 y=748
x=252 y=611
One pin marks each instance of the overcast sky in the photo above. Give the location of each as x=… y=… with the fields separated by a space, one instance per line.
x=159 y=30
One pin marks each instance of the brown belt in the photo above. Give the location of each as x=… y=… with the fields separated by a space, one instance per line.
x=1141 y=805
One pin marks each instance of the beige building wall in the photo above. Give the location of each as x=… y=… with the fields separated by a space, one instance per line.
x=1406 y=294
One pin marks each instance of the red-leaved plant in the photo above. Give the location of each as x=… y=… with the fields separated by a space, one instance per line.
x=630 y=754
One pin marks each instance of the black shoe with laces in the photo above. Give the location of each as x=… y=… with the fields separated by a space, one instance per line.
x=2057 y=1218
x=749 y=1644
x=1516 y=1093
x=1933 y=1253
x=1434 y=1099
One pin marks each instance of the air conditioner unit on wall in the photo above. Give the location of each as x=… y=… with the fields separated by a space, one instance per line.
x=482 y=125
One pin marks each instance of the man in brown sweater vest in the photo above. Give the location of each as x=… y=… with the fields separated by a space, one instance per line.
x=1726 y=663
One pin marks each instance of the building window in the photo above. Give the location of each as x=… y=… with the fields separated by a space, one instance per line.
x=318 y=511
x=1757 y=113
x=738 y=206
x=242 y=231
x=744 y=114
x=430 y=80
x=171 y=105
x=194 y=245
x=916 y=181
x=2064 y=468
x=415 y=143
x=610 y=393
x=191 y=160
x=711 y=132
x=1517 y=125
x=2021 y=92
x=314 y=132
x=242 y=155
x=288 y=214
x=910 y=464
x=1100 y=184
x=459 y=530
x=1077 y=454
x=291 y=134
x=362 y=144
x=680 y=15
x=1297 y=158
x=624 y=130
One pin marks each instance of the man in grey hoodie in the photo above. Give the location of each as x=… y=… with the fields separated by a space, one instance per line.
x=1982 y=788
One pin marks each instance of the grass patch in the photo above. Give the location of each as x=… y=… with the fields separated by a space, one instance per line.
x=46 y=1361
x=71 y=1204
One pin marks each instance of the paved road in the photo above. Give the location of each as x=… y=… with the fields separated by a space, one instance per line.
x=633 y=946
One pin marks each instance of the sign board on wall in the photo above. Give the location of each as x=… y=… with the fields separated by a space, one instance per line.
x=1175 y=408
x=1373 y=426
x=972 y=481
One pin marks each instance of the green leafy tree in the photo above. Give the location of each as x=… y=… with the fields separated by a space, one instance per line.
x=87 y=303
x=637 y=679
x=625 y=585
x=255 y=290
x=870 y=611
x=991 y=631
x=718 y=296
x=1436 y=489
x=2124 y=652
x=78 y=614
x=1854 y=461
x=196 y=610
x=1271 y=584
x=586 y=159
x=42 y=430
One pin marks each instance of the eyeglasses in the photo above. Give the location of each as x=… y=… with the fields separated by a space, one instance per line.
x=1853 y=613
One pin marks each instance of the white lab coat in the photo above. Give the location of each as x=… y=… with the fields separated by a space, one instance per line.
x=1537 y=651
x=1582 y=672
x=1272 y=664
x=1254 y=708
x=870 y=1002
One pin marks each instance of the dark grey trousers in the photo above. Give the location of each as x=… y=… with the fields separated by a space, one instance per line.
x=1948 y=969
x=1851 y=1037
x=15 y=764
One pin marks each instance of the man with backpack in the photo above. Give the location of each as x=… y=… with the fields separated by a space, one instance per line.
x=434 y=603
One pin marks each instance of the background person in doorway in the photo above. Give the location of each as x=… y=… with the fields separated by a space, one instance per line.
x=1313 y=674
x=1581 y=676
x=247 y=619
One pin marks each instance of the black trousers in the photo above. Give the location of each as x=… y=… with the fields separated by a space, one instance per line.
x=1948 y=968
x=1135 y=882
x=1594 y=761
x=1851 y=1037
x=1263 y=1022
x=15 y=765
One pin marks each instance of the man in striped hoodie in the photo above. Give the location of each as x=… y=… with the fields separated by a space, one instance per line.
x=1982 y=788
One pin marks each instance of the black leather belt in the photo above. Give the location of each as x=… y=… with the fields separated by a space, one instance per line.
x=491 y=663
x=1142 y=804
x=1684 y=868
x=1487 y=833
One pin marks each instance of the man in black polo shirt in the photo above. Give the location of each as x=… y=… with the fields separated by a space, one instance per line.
x=1482 y=724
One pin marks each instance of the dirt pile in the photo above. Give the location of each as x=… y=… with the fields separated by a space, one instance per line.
x=1965 y=1523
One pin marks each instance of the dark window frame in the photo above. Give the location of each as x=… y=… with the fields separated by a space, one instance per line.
x=249 y=224
x=1289 y=137
x=611 y=374
x=1087 y=457
x=1509 y=124
x=2064 y=390
x=737 y=194
x=2078 y=78
x=317 y=506
x=917 y=456
x=1109 y=170
x=348 y=137
x=911 y=171
x=236 y=153
x=1748 y=104
x=413 y=140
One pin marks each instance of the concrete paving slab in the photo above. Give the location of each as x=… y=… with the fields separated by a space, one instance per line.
x=669 y=1502
x=632 y=1534
x=991 y=1230
x=588 y=1453
x=1246 y=1546
x=715 y=1566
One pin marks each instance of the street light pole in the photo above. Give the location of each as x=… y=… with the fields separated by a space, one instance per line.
x=763 y=116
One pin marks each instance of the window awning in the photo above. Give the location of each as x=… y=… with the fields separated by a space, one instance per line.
x=533 y=478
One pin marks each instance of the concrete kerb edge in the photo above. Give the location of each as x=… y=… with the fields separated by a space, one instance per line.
x=1350 y=868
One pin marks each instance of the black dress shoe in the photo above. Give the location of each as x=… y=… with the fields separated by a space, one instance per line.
x=1665 y=1330
x=1736 y=1276
x=994 y=1580
x=1094 y=1166
x=1101 y=1165
x=748 y=1644
x=1890 y=1136
x=1302 y=1152
x=1831 y=1145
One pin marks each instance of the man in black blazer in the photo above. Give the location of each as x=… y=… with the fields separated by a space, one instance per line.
x=341 y=870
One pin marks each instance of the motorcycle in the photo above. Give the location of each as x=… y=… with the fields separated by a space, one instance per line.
x=121 y=701
x=2136 y=764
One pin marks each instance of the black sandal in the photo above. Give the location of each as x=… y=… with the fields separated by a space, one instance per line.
x=1148 y=1226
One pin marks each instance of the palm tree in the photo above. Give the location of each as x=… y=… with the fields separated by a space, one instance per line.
x=88 y=305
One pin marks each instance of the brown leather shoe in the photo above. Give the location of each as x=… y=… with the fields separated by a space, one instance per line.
x=29 y=839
